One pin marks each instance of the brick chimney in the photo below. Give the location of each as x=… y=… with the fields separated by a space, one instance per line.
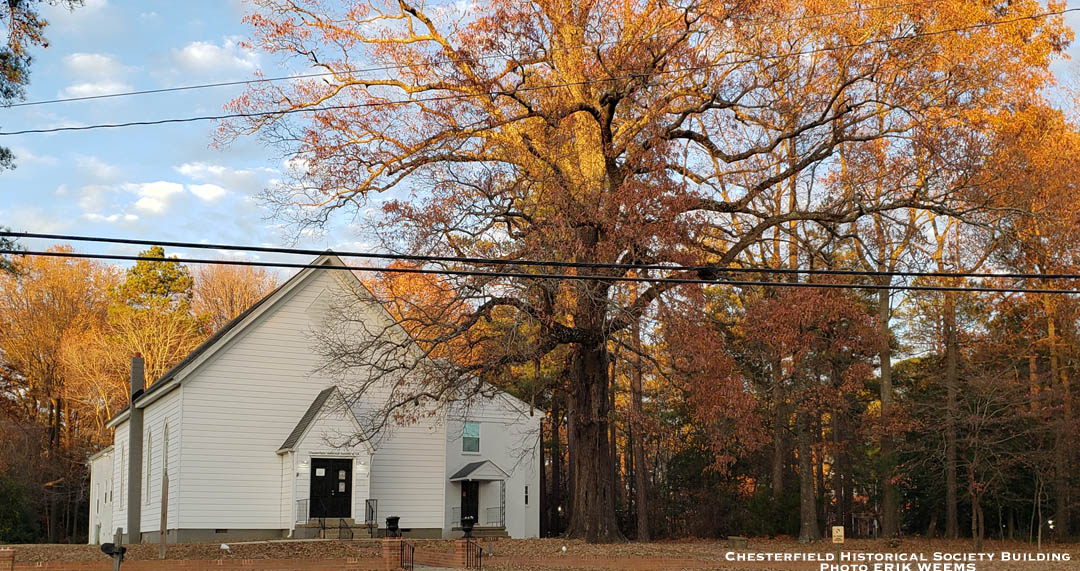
x=135 y=452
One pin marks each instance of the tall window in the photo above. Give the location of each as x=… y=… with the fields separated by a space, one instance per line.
x=470 y=437
x=148 y=464
x=165 y=450
x=123 y=471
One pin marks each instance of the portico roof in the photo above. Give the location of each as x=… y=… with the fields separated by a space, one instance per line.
x=482 y=470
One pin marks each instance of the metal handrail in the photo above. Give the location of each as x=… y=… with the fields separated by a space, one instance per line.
x=407 y=555
x=474 y=555
x=371 y=516
x=344 y=526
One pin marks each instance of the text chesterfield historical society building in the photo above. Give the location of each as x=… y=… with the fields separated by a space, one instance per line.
x=871 y=561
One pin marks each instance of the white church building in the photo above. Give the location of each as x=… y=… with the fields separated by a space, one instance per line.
x=245 y=439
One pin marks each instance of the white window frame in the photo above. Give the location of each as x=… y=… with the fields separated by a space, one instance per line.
x=123 y=469
x=165 y=449
x=149 y=465
x=465 y=438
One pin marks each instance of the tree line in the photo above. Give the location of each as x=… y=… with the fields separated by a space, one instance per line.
x=68 y=328
x=705 y=137
x=711 y=137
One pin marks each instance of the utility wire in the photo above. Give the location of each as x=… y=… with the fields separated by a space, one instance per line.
x=525 y=275
x=444 y=61
x=536 y=263
x=344 y=106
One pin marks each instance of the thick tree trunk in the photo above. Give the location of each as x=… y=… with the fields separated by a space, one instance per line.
x=819 y=469
x=842 y=472
x=616 y=476
x=641 y=496
x=1061 y=471
x=952 y=530
x=556 y=470
x=571 y=461
x=780 y=427
x=889 y=500
x=545 y=495
x=593 y=517
x=1033 y=382
x=808 y=525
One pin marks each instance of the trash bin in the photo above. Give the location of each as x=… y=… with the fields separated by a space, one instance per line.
x=392 y=529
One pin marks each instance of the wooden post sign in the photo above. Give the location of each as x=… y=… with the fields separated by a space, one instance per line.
x=837 y=534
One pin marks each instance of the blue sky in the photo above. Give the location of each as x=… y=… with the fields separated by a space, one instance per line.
x=163 y=182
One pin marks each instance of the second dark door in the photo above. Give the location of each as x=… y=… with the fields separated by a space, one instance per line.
x=331 y=487
x=470 y=501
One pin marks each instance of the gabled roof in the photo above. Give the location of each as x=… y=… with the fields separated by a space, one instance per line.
x=482 y=470
x=328 y=259
x=306 y=420
x=312 y=415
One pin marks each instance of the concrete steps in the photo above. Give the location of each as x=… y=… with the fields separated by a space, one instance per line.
x=331 y=529
x=489 y=531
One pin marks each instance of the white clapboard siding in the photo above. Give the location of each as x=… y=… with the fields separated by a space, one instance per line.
x=241 y=404
x=509 y=437
x=165 y=410
x=408 y=475
x=101 y=528
x=119 y=470
x=287 y=513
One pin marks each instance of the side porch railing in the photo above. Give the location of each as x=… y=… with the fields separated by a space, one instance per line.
x=491 y=517
x=302 y=510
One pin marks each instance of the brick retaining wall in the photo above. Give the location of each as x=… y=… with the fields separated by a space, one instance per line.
x=7 y=563
x=391 y=559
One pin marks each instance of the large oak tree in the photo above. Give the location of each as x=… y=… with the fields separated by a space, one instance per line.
x=609 y=131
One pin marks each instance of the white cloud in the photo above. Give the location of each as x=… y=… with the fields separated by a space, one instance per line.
x=155 y=198
x=207 y=192
x=33 y=219
x=245 y=181
x=94 y=197
x=111 y=219
x=207 y=59
x=24 y=156
x=96 y=168
x=94 y=74
x=94 y=66
x=93 y=88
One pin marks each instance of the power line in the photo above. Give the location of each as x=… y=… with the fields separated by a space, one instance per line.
x=251 y=114
x=525 y=275
x=537 y=263
x=444 y=61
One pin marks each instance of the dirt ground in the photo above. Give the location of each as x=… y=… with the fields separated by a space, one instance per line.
x=548 y=553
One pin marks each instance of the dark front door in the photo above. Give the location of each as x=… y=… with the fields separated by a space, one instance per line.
x=470 y=501
x=331 y=487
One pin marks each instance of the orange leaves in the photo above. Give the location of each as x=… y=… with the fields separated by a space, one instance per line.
x=826 y=336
